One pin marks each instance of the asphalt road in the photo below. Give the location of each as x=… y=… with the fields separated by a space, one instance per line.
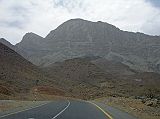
x=69 y=110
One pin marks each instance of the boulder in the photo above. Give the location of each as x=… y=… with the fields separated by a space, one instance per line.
x=152 y=102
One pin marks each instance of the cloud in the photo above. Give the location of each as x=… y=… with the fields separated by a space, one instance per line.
x=41 y=16
x=155 y=3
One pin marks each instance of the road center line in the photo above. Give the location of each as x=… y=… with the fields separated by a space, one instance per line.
x=108 y=115
x=62 y=110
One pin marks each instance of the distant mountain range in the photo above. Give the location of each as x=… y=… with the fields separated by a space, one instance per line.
x=77 y=38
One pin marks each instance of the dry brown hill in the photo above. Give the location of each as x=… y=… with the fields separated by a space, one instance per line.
x=17 y=75
x=86 y=79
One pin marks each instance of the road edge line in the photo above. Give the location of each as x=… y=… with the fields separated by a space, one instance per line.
x=23 y=110
x=107 y=114
x=62 y=110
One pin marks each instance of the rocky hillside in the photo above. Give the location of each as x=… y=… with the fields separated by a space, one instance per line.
x=113 y=67
x=77 y=37
x=17 y=75
x=86 y=78
x=8 y=44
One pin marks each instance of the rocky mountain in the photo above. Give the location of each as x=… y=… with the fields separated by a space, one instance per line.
x=8 y=44
x=17 y=75
x=77 y=38
x=5 y=42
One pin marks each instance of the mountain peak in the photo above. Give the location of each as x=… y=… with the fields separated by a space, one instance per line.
x=31 y=41
x=31 y=34
x=77 y=19
x=30 y=37
x=73 y=28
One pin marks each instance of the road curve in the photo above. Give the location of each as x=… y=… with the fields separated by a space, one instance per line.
x=68 y=110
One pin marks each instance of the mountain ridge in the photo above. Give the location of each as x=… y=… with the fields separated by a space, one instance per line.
x=78 y=37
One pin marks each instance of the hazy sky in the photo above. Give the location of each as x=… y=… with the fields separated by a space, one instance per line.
x=41 y=16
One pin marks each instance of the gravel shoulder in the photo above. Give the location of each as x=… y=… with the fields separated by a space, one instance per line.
x=132 y=106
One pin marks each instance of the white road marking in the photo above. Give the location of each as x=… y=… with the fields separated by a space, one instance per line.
x=62 y=110
x=23 y=110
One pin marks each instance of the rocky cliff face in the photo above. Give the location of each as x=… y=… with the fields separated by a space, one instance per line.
x=77 y=37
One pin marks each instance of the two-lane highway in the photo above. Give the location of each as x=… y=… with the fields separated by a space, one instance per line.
x=62 y=110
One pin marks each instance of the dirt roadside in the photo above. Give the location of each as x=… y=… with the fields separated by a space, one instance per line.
x=132 y=106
